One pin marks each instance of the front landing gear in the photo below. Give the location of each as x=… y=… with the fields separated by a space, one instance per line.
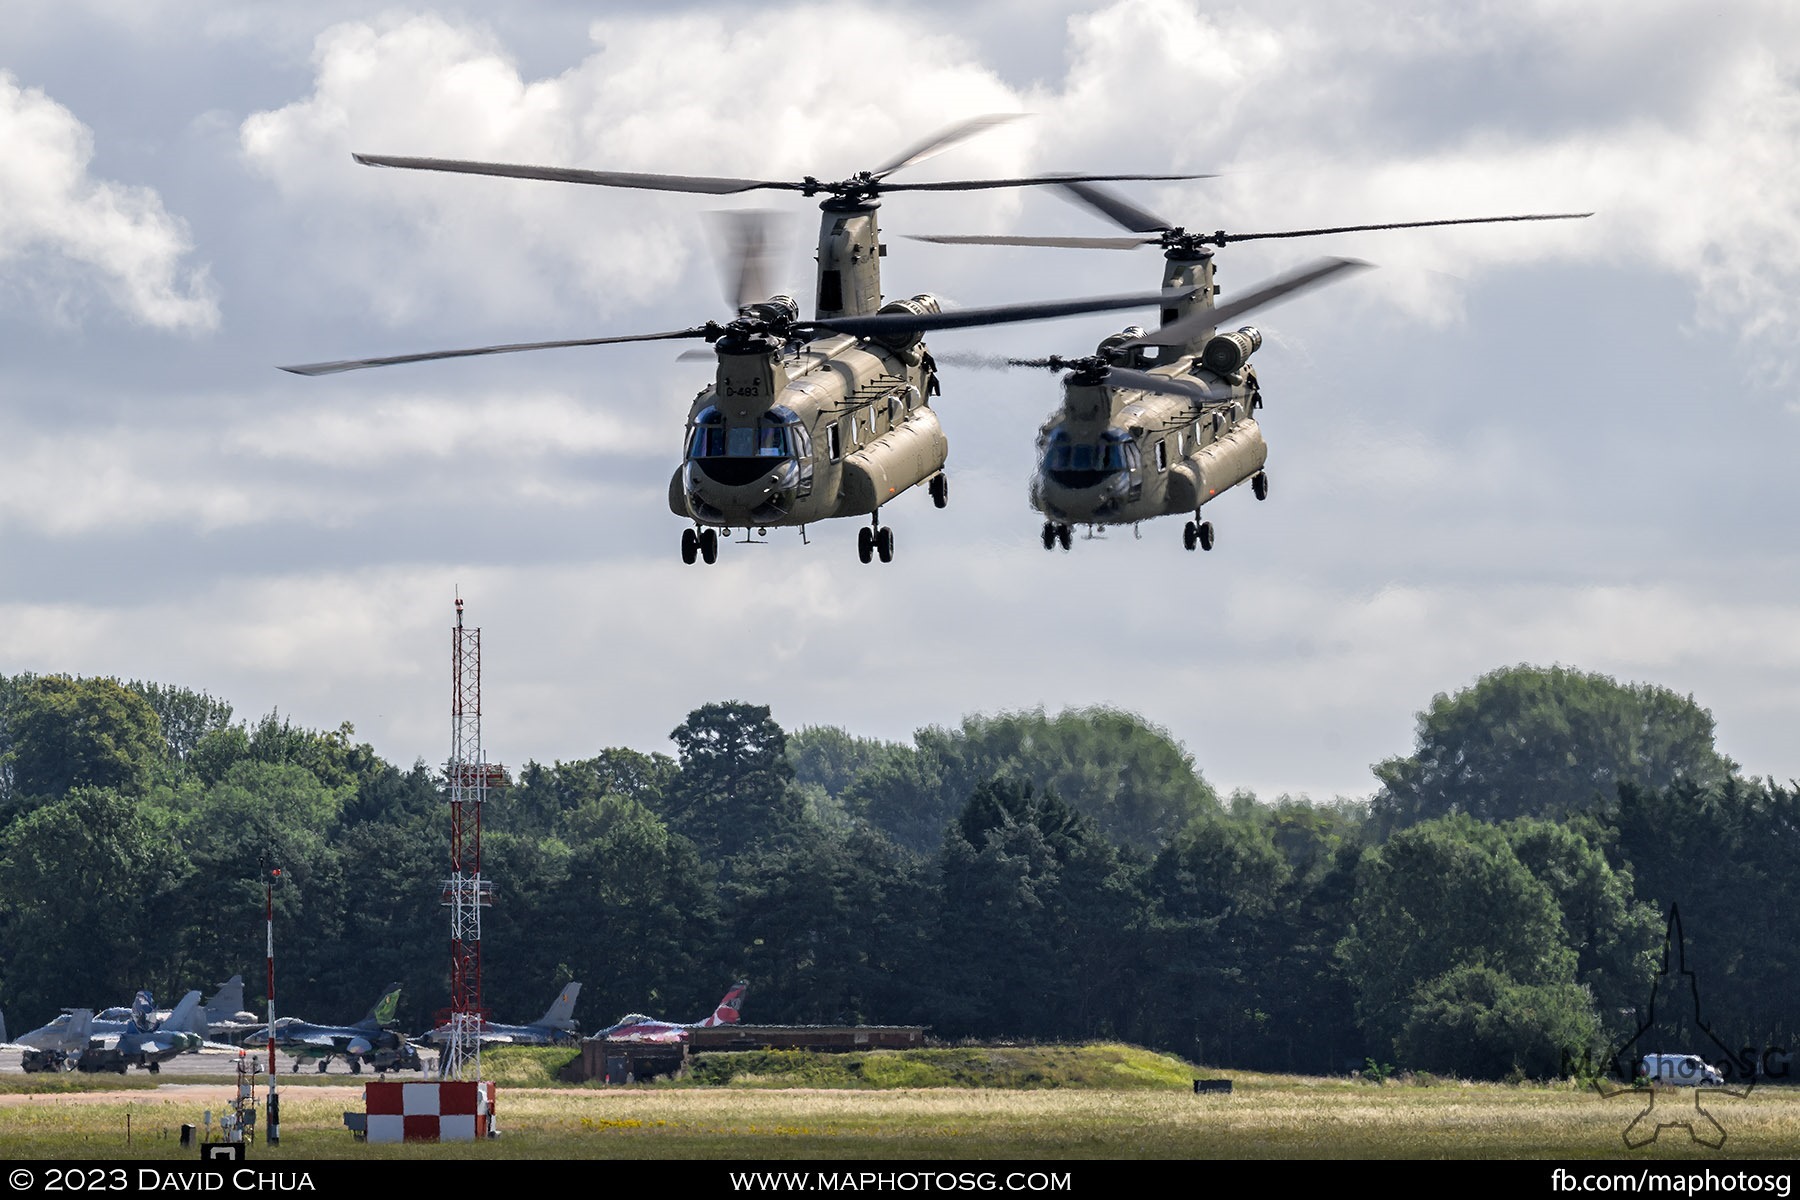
x=702 y=543
x=1057 y=534
x=1197 y=533
x=873 y=540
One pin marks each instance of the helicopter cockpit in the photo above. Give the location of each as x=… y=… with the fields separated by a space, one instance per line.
x=736 y=452
x=1080 y=464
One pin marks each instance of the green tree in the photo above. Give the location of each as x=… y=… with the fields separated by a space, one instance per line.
x=72 y=733
x=91 y=902
x=734 y=789
x=1545 y=742
x=1475 y=1022
x=1440 y=896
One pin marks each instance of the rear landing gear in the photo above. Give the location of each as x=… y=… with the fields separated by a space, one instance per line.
x=940 y=489
x=1197 y=533
x=873 y=540
x=1056 y=533
x=1259 y=485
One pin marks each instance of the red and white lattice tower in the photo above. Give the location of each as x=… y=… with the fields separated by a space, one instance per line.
x=469 y=777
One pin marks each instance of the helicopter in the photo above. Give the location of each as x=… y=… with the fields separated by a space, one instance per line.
x=1159 y=423
x=806 y=420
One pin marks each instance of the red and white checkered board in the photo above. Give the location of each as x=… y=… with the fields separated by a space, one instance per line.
x=428 y=1112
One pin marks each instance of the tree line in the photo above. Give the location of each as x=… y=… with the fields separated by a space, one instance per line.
x=1498 y=907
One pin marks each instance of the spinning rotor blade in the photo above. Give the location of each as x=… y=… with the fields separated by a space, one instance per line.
x=750 y=259
x=1066 y=243
x=938 y=142
x=976 y=185
x=1000 y=314
x=1116 y=208
x=625 y=179
x=357 y=364
x=862 y=185
x=1221 y=238
x=1144 y=381
x=1187 y=328
x=1125 y=377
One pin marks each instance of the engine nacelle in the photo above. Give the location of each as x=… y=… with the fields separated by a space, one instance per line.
x=1226 y=353
x=775 y=308
x=922 y=305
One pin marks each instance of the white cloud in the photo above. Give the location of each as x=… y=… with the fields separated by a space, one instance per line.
x=64 y=231
x=423 y=86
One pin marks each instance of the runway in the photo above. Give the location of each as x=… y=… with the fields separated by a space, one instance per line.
x=224 y=1062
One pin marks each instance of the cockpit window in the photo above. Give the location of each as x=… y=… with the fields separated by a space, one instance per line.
x=1064 y=453
x=776 y=434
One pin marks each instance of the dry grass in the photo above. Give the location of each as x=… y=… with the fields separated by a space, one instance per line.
x=1267 y=1116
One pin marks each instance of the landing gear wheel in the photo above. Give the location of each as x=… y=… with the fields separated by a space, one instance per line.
x=940 y=489
x=690 y=546
x=709 y=545
x=1259 y=485
x=323 y=1063
x=865 y=543
x=884 y=544
x=1049 y=535
x=356 y=1066
x=1064 y=535
x=1189 y=536
x=1204 y=532
x=155 y=1068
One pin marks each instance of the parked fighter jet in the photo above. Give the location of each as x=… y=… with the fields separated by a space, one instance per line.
x=56 y=1046
x=368 y=1041
x=639 y=1028
x=142 y=1041
x=556 y=1027
x=224 y=1018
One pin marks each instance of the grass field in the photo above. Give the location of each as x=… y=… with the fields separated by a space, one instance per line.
x=1049 y=1103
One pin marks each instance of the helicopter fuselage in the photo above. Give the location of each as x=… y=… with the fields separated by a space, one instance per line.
x=1115 y=455
x=835 y=427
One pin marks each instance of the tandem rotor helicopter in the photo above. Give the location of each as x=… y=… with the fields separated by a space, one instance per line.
x=1158 y=423
x=806 y=420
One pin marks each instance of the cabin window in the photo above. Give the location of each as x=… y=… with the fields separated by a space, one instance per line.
x=834 y=445
x=1162 y=455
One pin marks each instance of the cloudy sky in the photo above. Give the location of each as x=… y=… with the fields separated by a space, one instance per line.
x=1557 y=443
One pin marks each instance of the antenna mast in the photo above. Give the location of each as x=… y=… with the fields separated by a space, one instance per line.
x=469 y=777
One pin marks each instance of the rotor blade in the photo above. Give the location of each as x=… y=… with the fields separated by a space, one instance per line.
x=1222 y=237
x=1144 y=381
x=750 y=258
x=624 y=179
x=1070 y=243
x=1201 y=319
x=1002 y=314
x=942 y=140
x=1116 y=208
x=974 y=185
x=357 y=364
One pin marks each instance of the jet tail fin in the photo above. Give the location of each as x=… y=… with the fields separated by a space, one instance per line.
x=727 y=1012
x=228 y=1001
x=185 y=1017
x=383 y=1013
x=75 y=1035
x=561 y=1014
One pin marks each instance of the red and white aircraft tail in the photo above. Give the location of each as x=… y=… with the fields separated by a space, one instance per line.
x=727 y=1012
